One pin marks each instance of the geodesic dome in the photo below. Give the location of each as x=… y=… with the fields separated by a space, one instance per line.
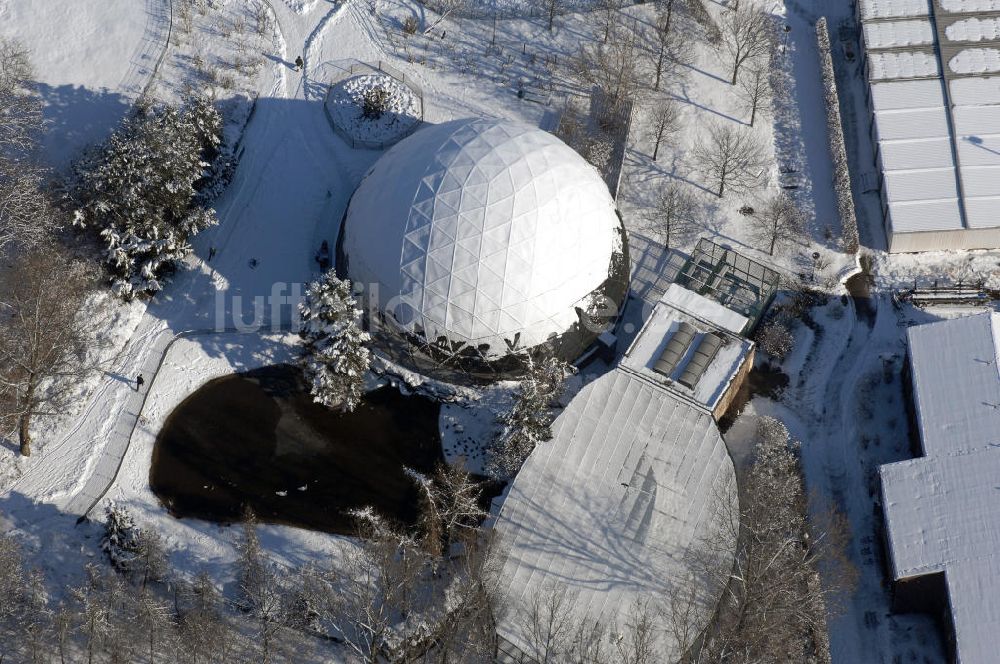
x=482 y=234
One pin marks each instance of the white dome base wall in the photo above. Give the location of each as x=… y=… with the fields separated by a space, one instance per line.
x=482 y=234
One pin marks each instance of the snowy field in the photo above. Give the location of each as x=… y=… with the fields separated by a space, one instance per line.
x=94 y=57
x=89 y=67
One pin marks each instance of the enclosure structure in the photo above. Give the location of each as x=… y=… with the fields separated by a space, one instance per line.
x=692 y=347
x=738 y=283
x=372 y=106
x=478 y=239
x=607 y=511
x=933 y=72
x=942 y=509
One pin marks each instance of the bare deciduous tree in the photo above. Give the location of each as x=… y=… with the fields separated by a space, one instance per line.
x=450 y=511
x=754 y=89
x=733 y=158
x=552 y=8
x=773 y=607
x=674 y=214
x=205 y=634
x=260 y=588
x=777 y=222
x=747 y=34
x=608 y=14
x=611 y=66
x=667 y=42
x=664 y=121
x=44 y=337
x=444 y=9
x=25 y=216
x=20 y=107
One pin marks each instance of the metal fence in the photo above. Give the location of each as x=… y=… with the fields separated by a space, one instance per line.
x=357 y=69
x=588 y=117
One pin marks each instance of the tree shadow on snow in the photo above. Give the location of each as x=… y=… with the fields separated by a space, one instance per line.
x=76 y=117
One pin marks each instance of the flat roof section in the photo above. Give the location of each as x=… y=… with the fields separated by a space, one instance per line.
x=908 y=95
x=924 y=216
x=890 y=9
x=680 y=308
x=895 y=34
x=919 y=123
x=942 y=510
x=895 y=65
x=956 y=382
x=924 y=185
x=929 y=153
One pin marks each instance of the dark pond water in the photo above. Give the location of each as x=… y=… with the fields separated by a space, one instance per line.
x=258 y=439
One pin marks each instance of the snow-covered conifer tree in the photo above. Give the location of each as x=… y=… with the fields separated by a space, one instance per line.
x=121 y=539
x=136 y=192
x=336 y=355
x=529 y=420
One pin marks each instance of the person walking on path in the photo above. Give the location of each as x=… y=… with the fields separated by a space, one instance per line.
x=299 y=63
x=139 y=382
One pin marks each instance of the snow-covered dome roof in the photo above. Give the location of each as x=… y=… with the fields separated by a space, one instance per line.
x=482 y=232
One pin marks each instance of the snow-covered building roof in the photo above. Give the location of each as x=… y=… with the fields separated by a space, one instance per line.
x=482 y=233
x=678 y=312
x=929 y=66
x=608 y=508
x=942 y=510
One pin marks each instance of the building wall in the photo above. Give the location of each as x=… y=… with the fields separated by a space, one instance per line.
x=967 y=238
x=734 y=386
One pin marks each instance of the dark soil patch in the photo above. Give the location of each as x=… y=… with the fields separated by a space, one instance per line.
x=258 y=439
x=766 y=380
x=859 y=288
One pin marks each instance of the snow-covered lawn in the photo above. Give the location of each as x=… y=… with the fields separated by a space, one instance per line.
x=91 y=59
x=399 y=115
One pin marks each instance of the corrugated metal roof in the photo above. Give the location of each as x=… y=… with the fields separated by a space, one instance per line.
x=928 y=185
x=908 y=95
x=922 y=123
x=907 y=106
x=924 y=216
x=982 y=212
x=981 y=182
x=608 y=508
x=976 y=120
x=975 y=91
x=928 y=153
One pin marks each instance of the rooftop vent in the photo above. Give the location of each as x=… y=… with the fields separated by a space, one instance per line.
x=702 y=357
x=676 y=347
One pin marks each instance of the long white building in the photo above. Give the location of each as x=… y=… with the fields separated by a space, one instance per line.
x=942 y=509
x=933 y=71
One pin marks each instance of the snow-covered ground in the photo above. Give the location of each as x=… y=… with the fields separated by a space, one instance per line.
x=289 y=194
x=92 y=58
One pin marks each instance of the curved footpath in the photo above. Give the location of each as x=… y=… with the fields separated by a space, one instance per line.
x=290 y=189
